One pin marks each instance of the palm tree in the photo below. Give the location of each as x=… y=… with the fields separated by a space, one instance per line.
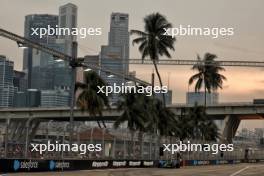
x=164 y=119
x=88 y=98
x=132 y=106
x=184 y=128
x=135 y=113
x=196 y=125
x=196 y=116
x=208 y=75
x=152 y=41
x=209 y=130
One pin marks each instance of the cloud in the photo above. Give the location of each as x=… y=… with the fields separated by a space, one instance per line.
x=258 y=91
x=237 y=48
x=226 y=86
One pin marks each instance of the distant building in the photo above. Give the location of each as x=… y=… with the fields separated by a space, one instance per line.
x=119 y=35
x=68 y=19
x=258 y=101
x=244 y=132
x=7 y=88
x=20 y=80
x=55 y=98
x=89 y=60
x=36 y=21
x=132 y=74
x=28 y=98
x=115 y=55
x=47 y=73
x=111 y=59
x=92 y=59
x=259 y=132
x=199 y=98
x=168 y=97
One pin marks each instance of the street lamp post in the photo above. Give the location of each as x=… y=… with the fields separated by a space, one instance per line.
x=73 y=64
x=47 y=134
x=63 y=139
x=27 y=136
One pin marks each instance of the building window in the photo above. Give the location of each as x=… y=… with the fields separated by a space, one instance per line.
x=63 y=21
x=73 y=21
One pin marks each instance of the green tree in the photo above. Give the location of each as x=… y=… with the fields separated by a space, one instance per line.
x=135 y=107
x=132 y=105
x=208 y=75
x=164 y=119
x=209 y=130
x=88 y=99
x=152 y=41
x=197 y=125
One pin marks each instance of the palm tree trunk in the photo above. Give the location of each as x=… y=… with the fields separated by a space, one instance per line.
x=140 y=139
x=133 y=143
x=204 y=95
x=160 y=81
x=98 y=123
x=104 y=123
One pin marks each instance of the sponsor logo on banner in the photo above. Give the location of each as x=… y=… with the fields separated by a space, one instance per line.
x=134 y=163
x=16 y=165
x=222 y=162
x=58 y=165
x=98 y=164
x=252 y=161
x=148 y=163
x=236 y=161
x=201 y=162
x=25 y=165
x=119 y=163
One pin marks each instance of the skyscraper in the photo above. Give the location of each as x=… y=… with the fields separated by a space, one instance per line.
x=111 y=59
x=27 y=98
x=68 y=19
x=20 y=82
x=7 y=89
x=43 y=72
x=119 y=35
x=36 y=21
x=47 y=73
x=55 y=98
x=114 y=56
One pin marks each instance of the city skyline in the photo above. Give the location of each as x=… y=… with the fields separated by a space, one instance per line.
x=226 y=49
x=243 y=84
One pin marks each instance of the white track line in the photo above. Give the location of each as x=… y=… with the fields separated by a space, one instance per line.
x=238 y=172
x=241 y=170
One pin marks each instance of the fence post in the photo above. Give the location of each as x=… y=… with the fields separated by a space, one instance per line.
x=6 y=136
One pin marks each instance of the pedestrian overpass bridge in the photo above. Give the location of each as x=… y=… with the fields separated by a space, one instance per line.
x=230 y=113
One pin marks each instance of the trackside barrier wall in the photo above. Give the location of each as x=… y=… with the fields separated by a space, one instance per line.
x=20 y=165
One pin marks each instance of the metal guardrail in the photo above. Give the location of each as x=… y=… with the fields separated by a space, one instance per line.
x=193 y=62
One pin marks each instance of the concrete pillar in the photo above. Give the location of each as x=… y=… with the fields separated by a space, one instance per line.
x=229 y=129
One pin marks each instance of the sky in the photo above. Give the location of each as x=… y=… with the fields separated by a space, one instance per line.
x=245 y=16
